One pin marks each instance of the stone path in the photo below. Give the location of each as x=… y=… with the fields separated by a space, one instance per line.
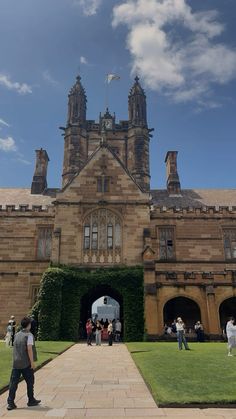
x=101 y=382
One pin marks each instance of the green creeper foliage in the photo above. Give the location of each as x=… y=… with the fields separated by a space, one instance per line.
x=58 y=307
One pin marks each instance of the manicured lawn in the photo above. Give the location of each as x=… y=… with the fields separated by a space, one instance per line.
x=203 y=375
x=45 y=350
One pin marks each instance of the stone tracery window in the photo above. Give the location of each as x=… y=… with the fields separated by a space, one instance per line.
x=102 y=237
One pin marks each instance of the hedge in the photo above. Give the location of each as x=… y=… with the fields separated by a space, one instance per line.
x=59 y=303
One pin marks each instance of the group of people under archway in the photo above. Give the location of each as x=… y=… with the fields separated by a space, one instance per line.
x=99 y=330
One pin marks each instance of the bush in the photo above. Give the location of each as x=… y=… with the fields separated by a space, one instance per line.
x=49 y=305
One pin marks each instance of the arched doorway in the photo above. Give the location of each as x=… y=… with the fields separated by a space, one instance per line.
x=88 y=300
x=182 y=307
x=227 y=310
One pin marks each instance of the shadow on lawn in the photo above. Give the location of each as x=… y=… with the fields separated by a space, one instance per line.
x=50 y=352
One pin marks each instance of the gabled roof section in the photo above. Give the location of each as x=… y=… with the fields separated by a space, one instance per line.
x=83 y=185
x=22 y=196
x=91 y=157
x=194 y=198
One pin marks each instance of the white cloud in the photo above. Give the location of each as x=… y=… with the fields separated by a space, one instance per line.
x=3 y=122
x=83 y=60
x=48 y=78
x=89 y=7
x=8 y=144
x=21 y=88
x=175 y=49
x=23 y=161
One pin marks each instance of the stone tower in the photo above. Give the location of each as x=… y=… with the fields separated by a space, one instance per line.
x=75 y=145
x=138 y=136
x=172 y=177
x=39 y=183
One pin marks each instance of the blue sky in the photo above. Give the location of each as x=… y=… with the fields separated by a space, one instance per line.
x=184 y=52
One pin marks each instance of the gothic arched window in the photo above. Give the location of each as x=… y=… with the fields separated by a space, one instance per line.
x=102 y=237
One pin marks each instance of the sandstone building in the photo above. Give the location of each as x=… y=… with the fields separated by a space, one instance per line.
x=105 y=214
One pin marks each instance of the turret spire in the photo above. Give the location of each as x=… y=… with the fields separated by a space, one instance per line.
x=77 y=103
x=137 y=105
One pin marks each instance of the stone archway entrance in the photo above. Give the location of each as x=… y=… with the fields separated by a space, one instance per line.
x=182 y=307
x=227 y=310
x=67 y=295
x=90 y=297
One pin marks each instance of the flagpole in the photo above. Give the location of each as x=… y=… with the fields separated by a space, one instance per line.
x=106 y=94
x=109 y=78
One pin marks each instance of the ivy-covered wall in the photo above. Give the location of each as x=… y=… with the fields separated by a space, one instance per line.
x=59 y=305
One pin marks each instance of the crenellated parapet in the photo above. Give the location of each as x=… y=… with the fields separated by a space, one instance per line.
x=156 y=211
x=28 y=209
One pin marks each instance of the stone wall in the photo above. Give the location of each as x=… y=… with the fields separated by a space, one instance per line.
x=199 y=270
x=20 y=270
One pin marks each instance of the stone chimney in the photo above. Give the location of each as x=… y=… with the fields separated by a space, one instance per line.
x=39 y=183
x=172 y=183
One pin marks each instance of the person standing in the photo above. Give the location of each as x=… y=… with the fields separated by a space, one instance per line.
x=98 y=333
x=34 y=327
x=180 y=329
x=231 y=335
x=118 y=328
x=8 y=337
x=110 y=333
x=89 y=331
x=199 y=331
x=173 y=327
x=24 y=356
x=13 y=323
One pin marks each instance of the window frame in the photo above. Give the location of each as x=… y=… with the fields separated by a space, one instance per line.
x=40 y=228
x=87 y=236
x=33 y=294
x=225 y=237
x=171 y=228
x=103 y=184
x=110 y=236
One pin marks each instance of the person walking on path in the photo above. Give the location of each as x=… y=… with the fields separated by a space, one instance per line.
x=199 y=331
x=231 y=335
x=110 y=333
x=118 y=328
x=24 y=356
x=98 y=333
x=89 y=331
x=180 y=329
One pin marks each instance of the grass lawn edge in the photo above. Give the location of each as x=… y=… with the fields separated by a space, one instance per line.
x=5 y=388
x=190 y=405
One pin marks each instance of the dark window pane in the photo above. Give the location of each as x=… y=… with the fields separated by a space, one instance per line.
x=106 y=184
x=99 y=184
x=95 y=228
x=166 y=241
x=109 y=231
x=86 y=236
x=87 y=231
x=86 y=243
x=109 y=243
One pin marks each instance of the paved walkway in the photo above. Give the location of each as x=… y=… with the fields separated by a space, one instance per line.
x=101 y=382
